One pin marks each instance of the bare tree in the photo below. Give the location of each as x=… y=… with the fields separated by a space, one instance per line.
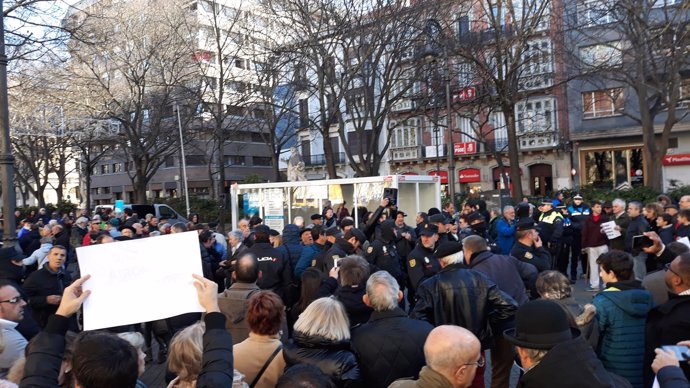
x=129 y=63
x=636 y=52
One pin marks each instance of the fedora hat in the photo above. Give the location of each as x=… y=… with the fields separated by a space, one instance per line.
x=540 y=324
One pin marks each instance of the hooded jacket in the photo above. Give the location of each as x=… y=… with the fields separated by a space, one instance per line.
x=334 y=358
x=571 y=364
x=292 y=244
x=621 y=311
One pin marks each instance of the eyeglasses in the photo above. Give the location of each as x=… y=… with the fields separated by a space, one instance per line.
x=15 y=300
x=668 y=268
x=479 y=363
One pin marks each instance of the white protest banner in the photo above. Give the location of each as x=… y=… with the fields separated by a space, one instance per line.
x=140 y=280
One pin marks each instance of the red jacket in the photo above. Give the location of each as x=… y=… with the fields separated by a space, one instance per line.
x=592 y=236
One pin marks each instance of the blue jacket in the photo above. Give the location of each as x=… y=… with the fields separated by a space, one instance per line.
x=506 y=235
x=305 y=259
x=292 y=245
x=622 y=311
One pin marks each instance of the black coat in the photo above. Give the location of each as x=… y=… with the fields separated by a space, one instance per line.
x=276 y=274
x=421 y=265
x=41 y=284
x=350 y=297
x=637 y=226
x=667 y=324
x=511 y=275
x=467 y=298
x=539 y=257
x=571 y=364
x=334 y=358
x=390 y=346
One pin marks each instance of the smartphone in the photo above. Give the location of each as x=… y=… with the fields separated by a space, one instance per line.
x=336 y=262
x=392 y=195
x=642 y=241
x=682 y=352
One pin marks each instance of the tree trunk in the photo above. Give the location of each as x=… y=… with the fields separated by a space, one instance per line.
x=513 y=152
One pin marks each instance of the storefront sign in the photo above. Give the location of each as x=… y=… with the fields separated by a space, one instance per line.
x=464 y=94
x=676 y=160
x=442 y=174
x=469 y=175
x=466 y=148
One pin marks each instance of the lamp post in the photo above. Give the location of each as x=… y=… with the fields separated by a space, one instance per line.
x=184 y=162
x=431 y=54
x=9 y=201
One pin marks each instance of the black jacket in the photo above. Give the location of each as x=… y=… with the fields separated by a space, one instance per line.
x=41 y=284
x=390 y=346
x=334 y=358
x=338 y=250
x=421 y=264
x=571 y=364
x=45 y=355
x=637 y=226
x=511 y=275
x=666 y=325
x=276 y=274
x=539 y=257
x=383 y=253
x=350 y=297
x=467 y=298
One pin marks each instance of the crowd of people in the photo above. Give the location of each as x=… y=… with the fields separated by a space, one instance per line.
x=384 y=303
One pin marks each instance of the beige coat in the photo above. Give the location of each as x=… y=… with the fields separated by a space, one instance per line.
x=250 y=356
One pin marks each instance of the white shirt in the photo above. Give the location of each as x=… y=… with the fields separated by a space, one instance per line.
x=15 y=344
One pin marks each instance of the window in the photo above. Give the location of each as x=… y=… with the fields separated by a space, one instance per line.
x=405 y=134
x=500 y=131
x=234 y=160
x=602 y=103
x=468 y=129
x=537 y=65
x=595 y=12
x=262 y=161
x=494 y=14
x=256 y=137
x=436 y=131
x=354 y=103
x=526 y=11
x=195 y=160
x=684 y=96
x=239 y=63
x=170 y=161
x=536 y=115
x=211 y=82
x=608 y=54
x=466 y=74
x=462 y=25
x=234 y=110
x=117 y=167
x=105 y=169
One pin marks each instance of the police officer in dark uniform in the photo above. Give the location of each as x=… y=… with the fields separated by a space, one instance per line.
x=383 y=254
x=439 y=220
x=421 y=262
x=528 y=246
x=342 y=246
x=276 y=273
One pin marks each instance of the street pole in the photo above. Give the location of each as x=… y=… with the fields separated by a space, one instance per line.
x=449 y=121
x=6 y=159
x=184 y=162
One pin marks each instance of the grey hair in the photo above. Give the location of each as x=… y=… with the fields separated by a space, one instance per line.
x=382 y=290
x=453 y=259
x=536 y=355
x=618 y=202
x=553 y=285
x=236 y=233
x=508 y=207
x=325 y=317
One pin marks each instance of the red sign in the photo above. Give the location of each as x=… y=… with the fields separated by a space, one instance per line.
x=469 y=147
x=442 y=174
x=469 y=175
x=676 y=160
x=464 y=94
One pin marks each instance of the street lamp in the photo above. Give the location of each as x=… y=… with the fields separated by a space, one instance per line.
x=184 y=162
x=430 y=53
x=6 y=159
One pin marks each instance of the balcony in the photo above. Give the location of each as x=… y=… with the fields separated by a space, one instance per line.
x=320 y=160
x=404 y=105
x=404 y=153
x=537 y=139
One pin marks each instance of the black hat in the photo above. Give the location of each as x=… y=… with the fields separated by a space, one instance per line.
x=347 y=221
x=303 y=231
x=127 y=227
x=334 y=232
x=671 y=206
x=262 y=229
x=540 y=324
x=548 y=202
x=255 y=220
x=354 y=232
x=437 y=218
x=273 y=232
x=607 y=204
x=474 y=216
x=433 y=211
x=526 y=224
x=315 y=217
x=448 y=248
x=428 y=229
x=10 y=253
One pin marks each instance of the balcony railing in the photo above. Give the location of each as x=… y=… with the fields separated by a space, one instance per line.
x=403 y=153
x=537 y=139
x=320 y=160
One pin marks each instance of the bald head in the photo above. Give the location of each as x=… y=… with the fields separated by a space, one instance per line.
x=684 y=202
x=447 y=348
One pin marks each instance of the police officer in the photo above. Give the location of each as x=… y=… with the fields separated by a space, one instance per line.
x=551 y=228
x=405 y=236
x=566 y=241
x=421 y=262
x=439 y=220
x=579 y=212
x=528 y=246
x=343 y=246
x=334 y=243
x=383 y=254
x=276 y=273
